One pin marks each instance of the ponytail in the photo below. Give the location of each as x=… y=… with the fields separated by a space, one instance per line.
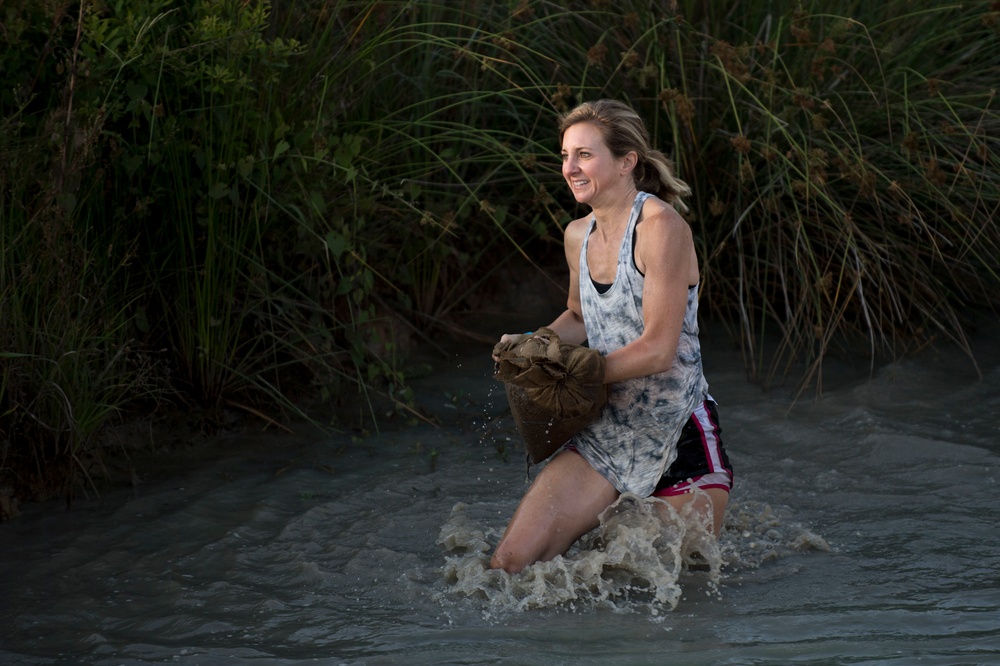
x=655 y=174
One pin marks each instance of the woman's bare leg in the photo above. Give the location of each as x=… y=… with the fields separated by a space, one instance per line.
x=562 y=505
x=710 y=502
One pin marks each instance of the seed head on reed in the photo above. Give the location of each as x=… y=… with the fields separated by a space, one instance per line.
x=597 y=55
x=741 y=144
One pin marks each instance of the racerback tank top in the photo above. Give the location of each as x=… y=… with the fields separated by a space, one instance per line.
x=635 y=438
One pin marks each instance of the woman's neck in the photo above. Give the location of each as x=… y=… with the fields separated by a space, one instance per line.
x=615 y=213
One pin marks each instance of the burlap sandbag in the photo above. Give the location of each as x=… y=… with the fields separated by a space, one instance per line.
x=554 y=389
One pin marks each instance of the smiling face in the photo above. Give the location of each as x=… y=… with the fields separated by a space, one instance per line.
x=593 y=173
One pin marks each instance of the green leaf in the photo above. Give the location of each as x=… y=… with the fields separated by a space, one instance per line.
x=218 y=190
x=336 y=243
x=280 y=149
x=318 y=201
x=136 y=91
x=141 y=320
x=245 y=166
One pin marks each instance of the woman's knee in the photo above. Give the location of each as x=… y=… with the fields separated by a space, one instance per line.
x=562 y=505
x=509 y=561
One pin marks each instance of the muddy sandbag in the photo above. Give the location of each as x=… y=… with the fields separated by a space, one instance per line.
x=554 y=388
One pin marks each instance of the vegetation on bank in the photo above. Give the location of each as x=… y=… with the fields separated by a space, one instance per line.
x=238 y=204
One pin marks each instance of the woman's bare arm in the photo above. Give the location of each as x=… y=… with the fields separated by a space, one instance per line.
x=665 y=254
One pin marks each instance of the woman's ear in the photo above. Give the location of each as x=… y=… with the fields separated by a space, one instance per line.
x=629 y=161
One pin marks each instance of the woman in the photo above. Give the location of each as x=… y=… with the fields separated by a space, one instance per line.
x=633 y=295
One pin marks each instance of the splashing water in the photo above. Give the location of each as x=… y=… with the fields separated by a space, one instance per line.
x=637 y=558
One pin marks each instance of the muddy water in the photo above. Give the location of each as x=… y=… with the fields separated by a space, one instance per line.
x=863 y=530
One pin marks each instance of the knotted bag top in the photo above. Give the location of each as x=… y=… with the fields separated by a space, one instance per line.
x=555 y=389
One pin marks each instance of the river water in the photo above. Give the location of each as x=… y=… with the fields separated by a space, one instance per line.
x=863 y=529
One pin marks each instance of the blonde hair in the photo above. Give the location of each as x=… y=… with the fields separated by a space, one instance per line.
x=623 y=132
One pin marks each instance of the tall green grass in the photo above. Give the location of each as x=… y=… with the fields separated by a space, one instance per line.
x=843 y=163
x=69 y=364
x=244 y=205
x=859 y=183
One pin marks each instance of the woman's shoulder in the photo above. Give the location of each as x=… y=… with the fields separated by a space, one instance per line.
x=577 y=229
x=659 y=215
x=656 y=208
x=573 y=235
x=663 y=235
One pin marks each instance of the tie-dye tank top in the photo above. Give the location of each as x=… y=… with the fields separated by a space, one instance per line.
x=635 y=438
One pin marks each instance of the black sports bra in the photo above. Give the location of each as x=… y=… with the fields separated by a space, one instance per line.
x=602 y=287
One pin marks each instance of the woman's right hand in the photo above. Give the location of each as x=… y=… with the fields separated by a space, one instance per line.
x=507 y=338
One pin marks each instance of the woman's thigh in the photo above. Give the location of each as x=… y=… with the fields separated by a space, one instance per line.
x=562 y=504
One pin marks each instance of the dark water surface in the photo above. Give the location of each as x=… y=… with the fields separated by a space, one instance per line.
x=863 y=530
